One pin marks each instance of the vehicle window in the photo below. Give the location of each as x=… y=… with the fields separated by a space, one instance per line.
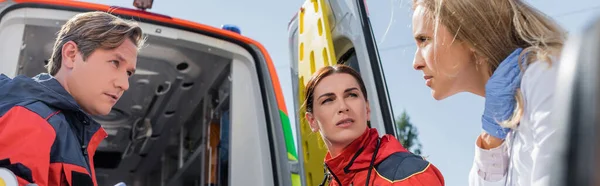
x=349 y=58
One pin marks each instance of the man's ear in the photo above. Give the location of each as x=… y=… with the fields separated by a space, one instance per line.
x=311 y=122
x=69 y=54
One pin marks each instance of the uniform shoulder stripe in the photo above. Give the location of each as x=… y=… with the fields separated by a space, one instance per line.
x=400 y=166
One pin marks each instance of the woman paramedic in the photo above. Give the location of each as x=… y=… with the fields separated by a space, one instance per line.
x=507 y=52
x=337 y=107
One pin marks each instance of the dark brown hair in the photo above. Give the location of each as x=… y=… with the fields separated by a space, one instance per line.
x=91 y=31
x=323 y=73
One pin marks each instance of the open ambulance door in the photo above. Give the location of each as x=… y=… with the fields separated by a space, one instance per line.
x=577 y=109
x=205 y=106
x=326 y=32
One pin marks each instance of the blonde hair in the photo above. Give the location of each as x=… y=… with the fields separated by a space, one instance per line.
x=93 y=30
x=495 y=28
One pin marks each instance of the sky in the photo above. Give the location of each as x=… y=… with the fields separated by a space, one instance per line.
x=448 y=128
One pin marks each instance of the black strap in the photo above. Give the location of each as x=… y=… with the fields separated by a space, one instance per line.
x=372 y=162
x=347 y=168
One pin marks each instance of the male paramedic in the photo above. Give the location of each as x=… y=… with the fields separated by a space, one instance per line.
x=47 y=136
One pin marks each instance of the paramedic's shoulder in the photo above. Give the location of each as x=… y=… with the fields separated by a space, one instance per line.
x=26 y=135
x=404 y=168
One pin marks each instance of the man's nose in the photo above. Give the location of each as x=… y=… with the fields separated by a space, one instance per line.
x=122 y=82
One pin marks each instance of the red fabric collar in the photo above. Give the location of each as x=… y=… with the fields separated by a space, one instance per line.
x=364 y=146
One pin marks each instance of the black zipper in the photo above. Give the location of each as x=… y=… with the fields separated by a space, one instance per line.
x=84 y=145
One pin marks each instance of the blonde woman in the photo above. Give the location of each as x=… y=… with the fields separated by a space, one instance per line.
x=505 y=51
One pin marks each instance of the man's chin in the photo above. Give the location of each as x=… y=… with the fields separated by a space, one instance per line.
x=103 y=113
x=99 y=112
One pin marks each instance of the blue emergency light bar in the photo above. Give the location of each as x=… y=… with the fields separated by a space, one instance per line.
x=232 y=28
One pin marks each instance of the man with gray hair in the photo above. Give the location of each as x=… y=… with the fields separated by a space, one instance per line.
x=47 y=136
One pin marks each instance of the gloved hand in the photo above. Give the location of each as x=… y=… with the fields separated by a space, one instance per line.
x=500 y=95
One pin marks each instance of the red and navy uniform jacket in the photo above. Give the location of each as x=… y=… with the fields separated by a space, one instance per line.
x=383 y=161
x=45 y=137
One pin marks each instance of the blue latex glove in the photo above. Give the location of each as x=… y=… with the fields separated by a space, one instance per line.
x=500 y=95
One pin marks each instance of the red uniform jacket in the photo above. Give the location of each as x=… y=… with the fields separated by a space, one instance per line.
x=45 y=137
x=383 y=161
